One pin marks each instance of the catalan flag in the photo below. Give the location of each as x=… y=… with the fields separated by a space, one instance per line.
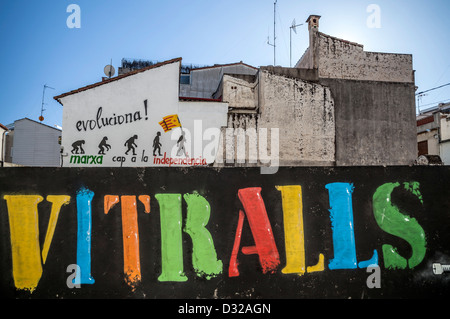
x=169 y=122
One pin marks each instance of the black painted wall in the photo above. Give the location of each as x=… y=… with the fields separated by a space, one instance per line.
x=220 y=188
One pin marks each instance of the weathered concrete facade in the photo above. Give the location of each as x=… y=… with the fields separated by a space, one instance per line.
x=339 y=106
x=374 y=122
x=342 y=59
x=374 y=99
x=433 y=132
x=278 y=101
x=304 y=113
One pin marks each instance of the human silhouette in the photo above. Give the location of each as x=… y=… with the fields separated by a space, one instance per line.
x=130 y=144
x=180 y=144
x=156 y=144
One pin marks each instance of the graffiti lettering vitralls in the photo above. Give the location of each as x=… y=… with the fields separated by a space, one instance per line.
x=28 y=257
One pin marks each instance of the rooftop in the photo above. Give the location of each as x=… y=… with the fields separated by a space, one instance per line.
x=88 y=87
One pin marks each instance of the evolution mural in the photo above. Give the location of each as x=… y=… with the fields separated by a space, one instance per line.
x=138 y=120
x=224 y=233
x=128 y=153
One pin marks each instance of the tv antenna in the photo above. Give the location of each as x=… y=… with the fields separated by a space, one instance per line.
x=41 y=118
x=109 y=70
x=274 y=35
x=293 y=27
x=419 y=99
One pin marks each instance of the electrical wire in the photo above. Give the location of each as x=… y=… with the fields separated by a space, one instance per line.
x=434 y=103
x=433 y=89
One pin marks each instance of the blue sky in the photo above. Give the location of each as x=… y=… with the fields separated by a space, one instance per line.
x=38 y=48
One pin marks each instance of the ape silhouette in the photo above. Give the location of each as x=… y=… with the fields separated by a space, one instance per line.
x=77 y=146
x=103 y=145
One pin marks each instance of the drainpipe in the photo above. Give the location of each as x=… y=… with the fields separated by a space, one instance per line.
x=3 y=147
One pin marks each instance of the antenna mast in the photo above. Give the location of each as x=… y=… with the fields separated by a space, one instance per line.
x=274 y=35
x=41 y=118
x=292 y=27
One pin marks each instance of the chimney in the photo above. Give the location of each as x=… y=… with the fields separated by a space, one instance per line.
x=313 y=22
x=313 y=27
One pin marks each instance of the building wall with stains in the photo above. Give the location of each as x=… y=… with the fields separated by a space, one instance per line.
x=375 y=122
x=347 y=60
x=342 y=59
x=304 y=113
x=284 y=113
x=373 y=97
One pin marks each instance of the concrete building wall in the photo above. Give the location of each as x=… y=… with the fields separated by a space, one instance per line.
x=374 y=99
x=445 y=126
x=326 y=121
x=305 y=60
x=445 y=153
x=341 y=59
x=239 y=93
x=286 y=115
x=375 y=122
x=428 y=133
x=205 y=81
x=346 y=60
x=431 y=138
x=444 y=140
x=433 y=131
x=304 y=113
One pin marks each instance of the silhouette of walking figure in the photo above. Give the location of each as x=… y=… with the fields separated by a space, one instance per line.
x=156 y=144
x=180 y=144
x=130 y=144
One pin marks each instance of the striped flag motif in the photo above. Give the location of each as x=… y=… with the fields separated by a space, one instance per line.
x=169 y=122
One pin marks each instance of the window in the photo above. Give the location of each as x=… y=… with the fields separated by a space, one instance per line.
x=185 y=79
x=423 y=148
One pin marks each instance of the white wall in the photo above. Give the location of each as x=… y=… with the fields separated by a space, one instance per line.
x=159 y=87
x=345 y=60
x=445 y=139
x=307 y=134
x=35 y=144
x=2 y=143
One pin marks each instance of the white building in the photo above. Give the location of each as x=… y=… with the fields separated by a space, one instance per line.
x=203 y=82
x=433 y=132
x=137 y=119
x=30 y=143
